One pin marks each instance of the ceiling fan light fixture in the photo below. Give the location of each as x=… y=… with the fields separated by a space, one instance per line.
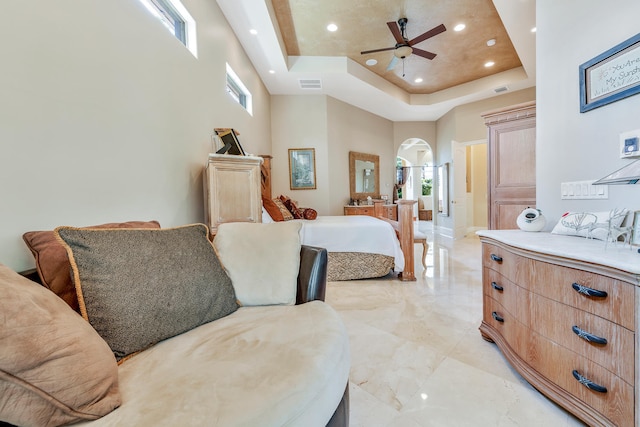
x=403 y=51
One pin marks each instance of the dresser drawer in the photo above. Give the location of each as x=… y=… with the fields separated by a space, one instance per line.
x=508 y=325
x=511 y=297
x=511 y=266
x=359 y=210
x=558 y=283
x=567 y=326
x=557 y=364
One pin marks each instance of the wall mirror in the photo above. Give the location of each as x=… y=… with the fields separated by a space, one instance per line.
x=364 y=175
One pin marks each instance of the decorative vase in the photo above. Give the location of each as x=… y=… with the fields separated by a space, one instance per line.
x=531 y=220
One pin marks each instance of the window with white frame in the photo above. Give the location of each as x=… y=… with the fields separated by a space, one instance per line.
x=238 y=90
x=175 y=18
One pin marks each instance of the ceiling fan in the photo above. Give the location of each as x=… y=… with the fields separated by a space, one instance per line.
x=405 y=47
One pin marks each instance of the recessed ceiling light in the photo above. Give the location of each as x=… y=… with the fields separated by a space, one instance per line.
x=491 y=42
x=332 y=27
x=371 y=62
x=534 y=29
x=418 y=80
x=489 y=64
x=459 y=27
x=253 y=31
x=272 y=71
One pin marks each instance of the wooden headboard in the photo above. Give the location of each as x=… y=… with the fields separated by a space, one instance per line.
x=265 y=176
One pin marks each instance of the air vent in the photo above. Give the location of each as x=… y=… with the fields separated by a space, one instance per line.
x=501 y=89
x=310 y=83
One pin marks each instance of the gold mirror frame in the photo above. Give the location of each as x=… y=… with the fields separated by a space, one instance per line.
x=375 y=159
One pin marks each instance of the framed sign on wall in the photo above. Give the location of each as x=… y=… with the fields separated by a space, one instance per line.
x=611 y=76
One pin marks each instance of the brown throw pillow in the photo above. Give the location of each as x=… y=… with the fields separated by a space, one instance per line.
x=52 y=261
x=286 y=215
x=272 y=209
x=140 y=286
x=54 y=367
x=291 y=207
x=309 y=213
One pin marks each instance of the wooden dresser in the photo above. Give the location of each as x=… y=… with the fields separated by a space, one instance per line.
x=232 y=187
x=564 y=313
x=388 y=211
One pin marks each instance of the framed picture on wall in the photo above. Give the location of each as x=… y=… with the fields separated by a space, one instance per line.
x=302 y=168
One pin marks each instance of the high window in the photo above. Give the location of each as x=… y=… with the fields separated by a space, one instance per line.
x=238 y=90
x=176 y=19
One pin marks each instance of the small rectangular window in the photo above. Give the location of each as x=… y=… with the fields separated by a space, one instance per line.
x=175 y=18
x=238 y=91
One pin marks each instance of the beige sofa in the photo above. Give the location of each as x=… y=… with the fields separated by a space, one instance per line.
x=278 y=358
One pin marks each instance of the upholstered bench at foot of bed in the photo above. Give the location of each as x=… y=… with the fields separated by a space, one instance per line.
x=357 y=265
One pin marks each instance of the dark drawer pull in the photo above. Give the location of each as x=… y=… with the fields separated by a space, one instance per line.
x=496 y=258
x=587 y=336
x=588 y=383
x=497 y=287
x=497 y=317
x=590 y=292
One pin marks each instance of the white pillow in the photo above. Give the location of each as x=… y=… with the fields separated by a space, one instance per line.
x=589 y=224
x=262 y=260
x=266 y=218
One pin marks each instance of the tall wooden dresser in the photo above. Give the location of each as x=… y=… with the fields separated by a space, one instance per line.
x=564 y=312
x=232 y=188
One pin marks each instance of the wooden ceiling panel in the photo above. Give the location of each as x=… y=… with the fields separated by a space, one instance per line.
x=362 y=25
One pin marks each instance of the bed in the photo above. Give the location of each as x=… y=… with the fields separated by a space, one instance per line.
x=359 y=246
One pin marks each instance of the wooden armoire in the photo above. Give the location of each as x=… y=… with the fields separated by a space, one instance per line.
x=511 y=148
x=232 y=186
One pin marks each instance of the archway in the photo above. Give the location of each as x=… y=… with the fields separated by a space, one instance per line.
x=415 y=176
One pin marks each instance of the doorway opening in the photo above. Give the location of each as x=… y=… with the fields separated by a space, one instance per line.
x=414 y=165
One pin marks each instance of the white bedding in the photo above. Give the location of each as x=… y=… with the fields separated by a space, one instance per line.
x=353 y=233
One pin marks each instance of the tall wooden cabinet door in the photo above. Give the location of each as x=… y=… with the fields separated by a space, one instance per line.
x=511 y=143
x=232 y=190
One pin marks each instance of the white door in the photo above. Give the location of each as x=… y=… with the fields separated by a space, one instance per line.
x=458 y=199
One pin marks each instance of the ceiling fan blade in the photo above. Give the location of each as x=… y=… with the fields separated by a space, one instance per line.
x=393 y=63
x=376 y=50
x=432 y=32
x=423 y=53
x=395 y=30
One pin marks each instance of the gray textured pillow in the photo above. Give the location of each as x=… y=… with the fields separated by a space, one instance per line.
x=139 y=286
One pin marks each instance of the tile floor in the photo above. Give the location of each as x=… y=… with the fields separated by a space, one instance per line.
x=417 y=358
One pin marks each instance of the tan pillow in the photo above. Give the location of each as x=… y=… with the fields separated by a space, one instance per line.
x=52 y=261
x=262 y=260
x=286 y=214
x=54 y=367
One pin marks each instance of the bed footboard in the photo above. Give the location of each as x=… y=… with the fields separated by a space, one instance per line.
x=404 y=229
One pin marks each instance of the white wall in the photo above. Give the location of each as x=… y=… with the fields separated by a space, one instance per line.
x=573 y=146
x=105 y=116
x=300 y=122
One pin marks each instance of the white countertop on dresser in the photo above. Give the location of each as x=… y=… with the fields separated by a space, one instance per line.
x=618 y=256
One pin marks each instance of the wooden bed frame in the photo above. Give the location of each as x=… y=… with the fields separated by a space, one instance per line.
x=403 y=226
